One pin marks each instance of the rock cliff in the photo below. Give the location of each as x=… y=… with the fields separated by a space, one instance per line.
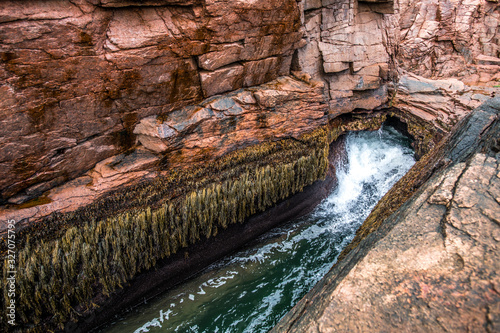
x=349 y=46
x=78 y=75
x=431 y=266
x=450 y=39
x=172 y=119
x=198 y=134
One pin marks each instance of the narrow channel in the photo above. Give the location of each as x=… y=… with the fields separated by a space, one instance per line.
x=251 y=290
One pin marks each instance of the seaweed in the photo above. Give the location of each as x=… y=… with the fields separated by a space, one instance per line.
x=61 y=275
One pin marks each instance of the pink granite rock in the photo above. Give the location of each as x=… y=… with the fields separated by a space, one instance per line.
x=446 y=38
x=77 y=76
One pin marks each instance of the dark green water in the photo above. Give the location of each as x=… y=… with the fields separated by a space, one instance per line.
x=253 y=289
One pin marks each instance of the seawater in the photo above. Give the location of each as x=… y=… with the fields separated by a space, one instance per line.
x=251 y=290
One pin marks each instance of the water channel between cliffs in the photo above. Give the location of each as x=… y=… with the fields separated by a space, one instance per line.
x=252 y=289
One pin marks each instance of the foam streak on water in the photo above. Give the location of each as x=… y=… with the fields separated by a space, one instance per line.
x=252 y=290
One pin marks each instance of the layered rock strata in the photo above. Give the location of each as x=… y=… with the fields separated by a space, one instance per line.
x=182 y=265
x=76 y=76
x=286 y=107
x=435 y=106
x=165 y=211
x=349 y=46
x=433 y=264
x=451 y=39
x=185 y=138
x=263 y=144
x=439 y=102
x=357 y=48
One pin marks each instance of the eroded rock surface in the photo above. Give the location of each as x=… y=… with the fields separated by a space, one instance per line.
x=284 y=108
x=451 y=38
x=76 y=76
x=433 y=265
x=440 y=102
x=349 y=46
x=96 y=94
x=356 y=46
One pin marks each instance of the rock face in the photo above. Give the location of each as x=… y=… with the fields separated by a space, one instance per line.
x=107 y=175
x=349 y=47
x=77 y=76
x=432 y=265
x=284 y=108
x=356 y=46
x=451 y=38
x=440 y=102
x=178 y=267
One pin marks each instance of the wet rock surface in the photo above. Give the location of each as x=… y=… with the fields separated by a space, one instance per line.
x=433 y=264
x=190 y=261
x=96 y=95
x=117 y=171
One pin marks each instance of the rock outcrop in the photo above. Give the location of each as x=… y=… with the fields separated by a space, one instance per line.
x=439 y=102
x=349 y=46
x=76 y=76
x=284 y=108
x=450 y=38
x=433 y=264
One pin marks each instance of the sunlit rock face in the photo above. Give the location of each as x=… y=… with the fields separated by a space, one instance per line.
x=358 y=47
x=439 y=102
x=105 y=99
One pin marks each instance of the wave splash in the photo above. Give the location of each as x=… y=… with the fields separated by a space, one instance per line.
x=253 y=289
